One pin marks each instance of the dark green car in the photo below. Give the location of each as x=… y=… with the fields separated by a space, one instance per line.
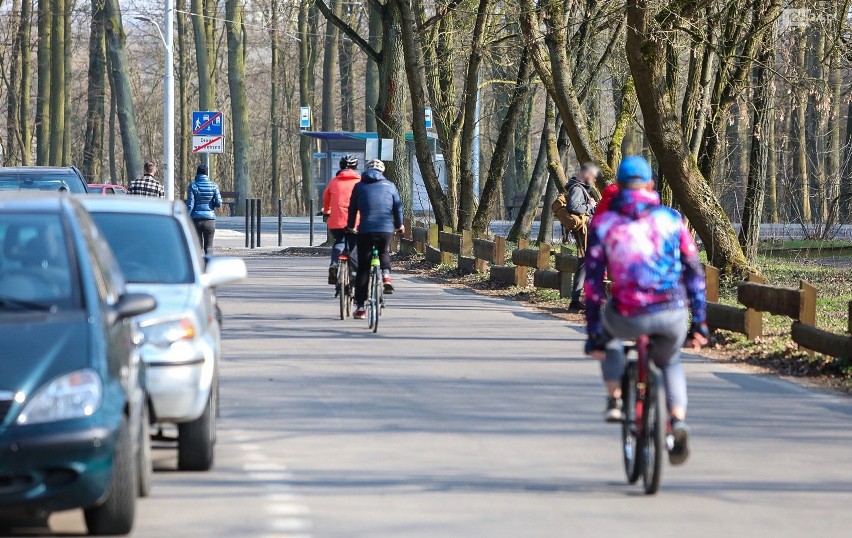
x=73 y=409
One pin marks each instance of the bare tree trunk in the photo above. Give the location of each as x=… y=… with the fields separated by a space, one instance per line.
x=493 y=180
x=203 y=57
x=93 y=144
x=13 y=135
x=329 y=72
x=307 y=64
x=760 y=153
x=371 y=95
x=347 y=89
x=239 y=100
x=113 y=154
x=44 y=55
x=846 y=175
x=771 y=205
x=274 y=113
x=414 y=68
x=799 y=120
x=24 y=128
x=183 y=171
x=66 y=94
x=57 y=83
x=526 y=213
x=835 y=151
x=122 y=91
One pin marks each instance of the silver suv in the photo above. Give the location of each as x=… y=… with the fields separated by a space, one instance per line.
x=158 y=251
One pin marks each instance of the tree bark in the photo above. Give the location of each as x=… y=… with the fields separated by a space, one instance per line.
x=414 y=68
x=96 y=94
x=799 y=128
x=307 y=64
x=760 y=154
x=241 y=134
x=274 y=113
x=371 y=95
x=57 y=83
x=13 y=135
x=329 y=72
x=771 y=204
x=44 y=60
x=526 y=213
x=66 y=67
x=347 y=86
x=646 y=57
x=500 y=155
x=112 y=153
x=23 y=38
x=846 y=178
x=122 y=91
x=184 y=140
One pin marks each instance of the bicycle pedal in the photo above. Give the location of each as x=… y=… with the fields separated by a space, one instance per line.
x=669 y=442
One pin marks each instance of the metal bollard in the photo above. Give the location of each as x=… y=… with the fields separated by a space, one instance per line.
x=311 y=223
x=250 y=203
x=280 y=222
x=257 y=203
x=247 y=222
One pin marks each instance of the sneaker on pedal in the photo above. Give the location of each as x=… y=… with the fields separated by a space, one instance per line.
x=388 y=285
x=332 y=275
x=360 y=313
x=613 y=410
x=679 y=444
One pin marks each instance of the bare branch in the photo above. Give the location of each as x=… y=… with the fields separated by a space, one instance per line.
x=349 y=31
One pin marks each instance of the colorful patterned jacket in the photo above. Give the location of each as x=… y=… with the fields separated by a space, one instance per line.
x=651 y=257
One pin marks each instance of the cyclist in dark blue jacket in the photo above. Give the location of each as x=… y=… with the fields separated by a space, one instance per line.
x=380 y=207
x=202 y=198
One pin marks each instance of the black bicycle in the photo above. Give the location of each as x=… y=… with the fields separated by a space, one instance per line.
x=376 y=301
x=344 y=289
x=643 y=424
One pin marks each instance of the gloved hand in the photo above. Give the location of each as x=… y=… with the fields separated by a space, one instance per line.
x=699 y=328
x=596 y=342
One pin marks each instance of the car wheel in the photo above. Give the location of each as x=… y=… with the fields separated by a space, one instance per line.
x=145 y=465
x=196 y=439
x=115 y=515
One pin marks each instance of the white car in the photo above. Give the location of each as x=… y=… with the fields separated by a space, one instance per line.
x=158 y=251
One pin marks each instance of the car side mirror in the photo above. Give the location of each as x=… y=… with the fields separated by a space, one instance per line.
x=131 y=305
x=223 y=270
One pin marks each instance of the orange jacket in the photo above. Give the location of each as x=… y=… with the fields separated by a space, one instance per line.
x=335 y=199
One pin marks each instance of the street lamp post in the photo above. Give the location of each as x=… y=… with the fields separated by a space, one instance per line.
x=168 y=164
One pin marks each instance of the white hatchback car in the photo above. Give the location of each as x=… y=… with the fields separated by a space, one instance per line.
x=158 y=251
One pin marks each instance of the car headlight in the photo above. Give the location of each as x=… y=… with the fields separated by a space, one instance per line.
x=73 y=395
x=166 y=333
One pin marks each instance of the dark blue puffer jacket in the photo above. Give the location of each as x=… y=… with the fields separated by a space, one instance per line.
x=379 y=203
x=202 y=197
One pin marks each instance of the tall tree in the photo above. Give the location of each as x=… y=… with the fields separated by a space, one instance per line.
x=241 y=138
x=202 y=31
x=526 y=213
x=274 y=90
x=121 y=87
x=371 y=91
x=182 y=74
x=647 y=43
x=329 y=72
x=66 y=68
x=22 y=42
x=57 y=83
x=96 y=96
x=347 y=86
x=13 y=136
x=44 y=60
x=307 y=64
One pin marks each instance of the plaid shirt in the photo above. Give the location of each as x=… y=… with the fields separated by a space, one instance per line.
x=146 y=186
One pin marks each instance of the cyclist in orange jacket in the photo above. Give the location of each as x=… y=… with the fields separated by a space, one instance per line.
x=335 y=205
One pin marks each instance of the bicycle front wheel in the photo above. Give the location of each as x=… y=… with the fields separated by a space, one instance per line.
x=630 y=441
x=343 y=284
x=654 y=433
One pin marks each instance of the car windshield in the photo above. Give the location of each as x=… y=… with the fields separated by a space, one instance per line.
x=35 y=273
x=38 y=180
x=150 y=249
x=97 y=190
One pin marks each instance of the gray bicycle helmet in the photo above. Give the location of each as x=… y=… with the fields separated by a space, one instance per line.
x=348 y=161
x=375 y=164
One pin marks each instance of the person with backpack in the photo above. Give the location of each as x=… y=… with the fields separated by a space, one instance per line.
x=202 y=199
x=577 y=209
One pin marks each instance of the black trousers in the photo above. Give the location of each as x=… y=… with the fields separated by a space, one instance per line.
x=366 y=241
x=205 y=228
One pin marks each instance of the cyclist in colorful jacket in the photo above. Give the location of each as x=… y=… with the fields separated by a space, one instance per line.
x=653 y=262
x=335 y=206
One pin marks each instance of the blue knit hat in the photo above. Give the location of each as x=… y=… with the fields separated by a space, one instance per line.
x=632 y=170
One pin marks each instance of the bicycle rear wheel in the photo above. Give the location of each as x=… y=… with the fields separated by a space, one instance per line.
x=343 y=283
x=630 y=440
x=377 y=299
x=654 y=433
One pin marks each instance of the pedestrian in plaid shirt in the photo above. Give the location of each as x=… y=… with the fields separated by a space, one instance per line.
x=147 y=185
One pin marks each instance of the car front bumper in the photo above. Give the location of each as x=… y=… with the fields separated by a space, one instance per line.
x=56 y=467
x=179 y=379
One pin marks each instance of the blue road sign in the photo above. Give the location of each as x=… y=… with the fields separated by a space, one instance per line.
x=207 y=123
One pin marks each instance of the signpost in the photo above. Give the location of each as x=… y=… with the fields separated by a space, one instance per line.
x=208 y=132
x=428 y=113
x=305 y=118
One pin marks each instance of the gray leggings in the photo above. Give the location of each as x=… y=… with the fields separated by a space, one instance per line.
x=667 y=330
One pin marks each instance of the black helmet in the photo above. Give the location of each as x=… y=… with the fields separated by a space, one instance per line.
x=348 y=161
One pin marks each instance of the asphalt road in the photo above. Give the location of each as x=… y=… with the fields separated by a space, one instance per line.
x=468 y=416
